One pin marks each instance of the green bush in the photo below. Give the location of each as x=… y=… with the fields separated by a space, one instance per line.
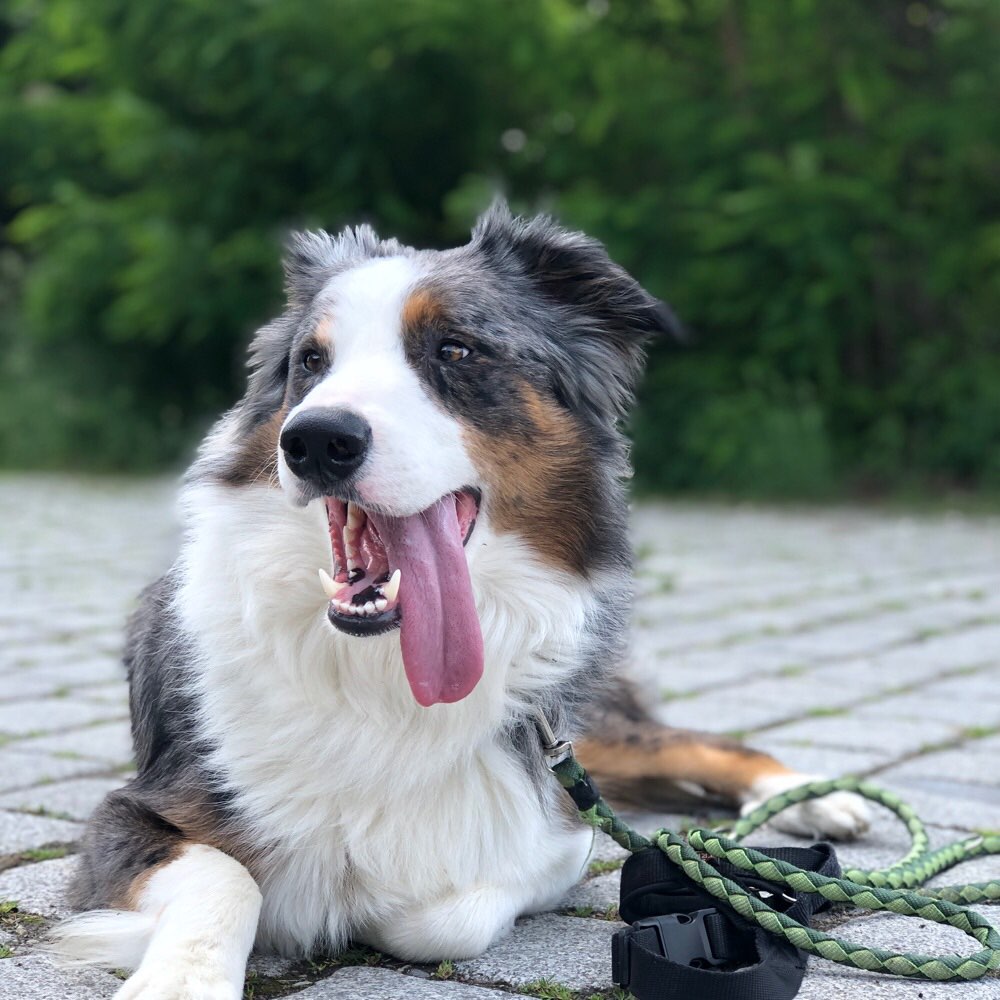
x=813 y=185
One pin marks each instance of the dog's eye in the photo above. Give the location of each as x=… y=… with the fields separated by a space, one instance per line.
x=312 y=361
x=452 y=350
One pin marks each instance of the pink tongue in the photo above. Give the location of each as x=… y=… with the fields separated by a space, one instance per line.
x=440 y=636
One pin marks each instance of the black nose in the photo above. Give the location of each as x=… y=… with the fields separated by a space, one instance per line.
x=326 y=446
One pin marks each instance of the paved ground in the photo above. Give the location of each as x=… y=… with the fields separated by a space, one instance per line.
x=843 y=641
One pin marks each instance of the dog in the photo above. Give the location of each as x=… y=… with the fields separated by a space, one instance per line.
x=353 y=754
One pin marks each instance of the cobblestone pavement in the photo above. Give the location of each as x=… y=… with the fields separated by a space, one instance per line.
x=840 y=640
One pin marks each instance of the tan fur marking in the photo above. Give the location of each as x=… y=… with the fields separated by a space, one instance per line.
x=420 y=310
x=200 y=823
x=722 y=769
x=132 y=898
x=256 y=460
x=323 y=334
x=540 y=482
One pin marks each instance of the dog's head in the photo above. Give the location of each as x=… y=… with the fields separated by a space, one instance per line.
x=418 y=394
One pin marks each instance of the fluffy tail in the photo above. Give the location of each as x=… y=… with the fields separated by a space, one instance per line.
x=113 y=939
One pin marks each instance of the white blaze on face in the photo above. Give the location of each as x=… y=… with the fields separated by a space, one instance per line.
x=417 y=452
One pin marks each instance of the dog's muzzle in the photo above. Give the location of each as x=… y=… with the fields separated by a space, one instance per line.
x=326 y=447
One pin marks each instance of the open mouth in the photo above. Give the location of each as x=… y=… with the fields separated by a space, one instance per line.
x=410 y=572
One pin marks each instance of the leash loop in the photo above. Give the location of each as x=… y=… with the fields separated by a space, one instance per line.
x=890 y=889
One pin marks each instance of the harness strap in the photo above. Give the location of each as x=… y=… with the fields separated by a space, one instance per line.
x=720 y=870
x=682 y=943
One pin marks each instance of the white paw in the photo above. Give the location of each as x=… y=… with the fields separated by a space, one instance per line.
x=838 y=816
x=461 y=925
x=184 y=980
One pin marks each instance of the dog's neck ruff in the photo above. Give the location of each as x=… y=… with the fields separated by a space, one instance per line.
x=300 y=717
x=250 y=599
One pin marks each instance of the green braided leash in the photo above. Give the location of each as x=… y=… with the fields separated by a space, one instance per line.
x=884 y=889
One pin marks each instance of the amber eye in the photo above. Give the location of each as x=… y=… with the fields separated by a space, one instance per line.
x=452 y=350
x=312 y=361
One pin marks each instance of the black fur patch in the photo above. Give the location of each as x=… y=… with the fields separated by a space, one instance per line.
x=170 y=802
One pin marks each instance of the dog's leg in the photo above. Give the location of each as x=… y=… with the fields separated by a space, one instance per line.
x=182 y=914
x=639 y=761
x=205 y=905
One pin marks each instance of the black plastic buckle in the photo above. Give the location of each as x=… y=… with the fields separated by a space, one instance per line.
x=682 y=938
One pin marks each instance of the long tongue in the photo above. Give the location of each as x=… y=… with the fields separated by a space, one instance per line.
x=440 y=636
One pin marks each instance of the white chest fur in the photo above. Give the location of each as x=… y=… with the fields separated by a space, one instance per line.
x=416 y=829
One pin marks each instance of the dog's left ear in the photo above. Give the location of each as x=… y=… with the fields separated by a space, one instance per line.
x=608 y=316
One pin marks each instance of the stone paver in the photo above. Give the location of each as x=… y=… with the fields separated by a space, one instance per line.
x=75 y=799
x=569 y=950
x=24 y=768
x=597 y=893
x=363 y=984
x=967 y=765
x=23 y=832
x=900 y=737
x=34 y=977
x=28 y=717
x=40 y=888
x=110 y=743
x=841 y=641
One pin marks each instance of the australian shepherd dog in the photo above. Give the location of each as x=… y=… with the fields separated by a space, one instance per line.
x=352 y=754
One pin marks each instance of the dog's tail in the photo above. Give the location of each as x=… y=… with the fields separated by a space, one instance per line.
x=112 y=939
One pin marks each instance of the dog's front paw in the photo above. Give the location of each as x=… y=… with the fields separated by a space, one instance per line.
x=838 y=816
x=182 y=980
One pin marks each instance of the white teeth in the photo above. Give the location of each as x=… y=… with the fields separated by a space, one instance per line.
x=391 y=589
x=352 y=536
x=365 y=610
x=354 y=516
x=330 y=586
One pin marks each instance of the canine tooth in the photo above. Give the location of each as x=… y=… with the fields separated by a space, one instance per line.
x=391 y=589
x=330 y=586
x=381 y=604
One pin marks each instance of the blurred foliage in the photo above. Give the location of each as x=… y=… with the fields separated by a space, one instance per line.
x=814 y=186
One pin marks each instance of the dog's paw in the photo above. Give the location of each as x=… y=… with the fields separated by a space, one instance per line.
x=837 y=816
x=459 y=925
x=182 y=980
